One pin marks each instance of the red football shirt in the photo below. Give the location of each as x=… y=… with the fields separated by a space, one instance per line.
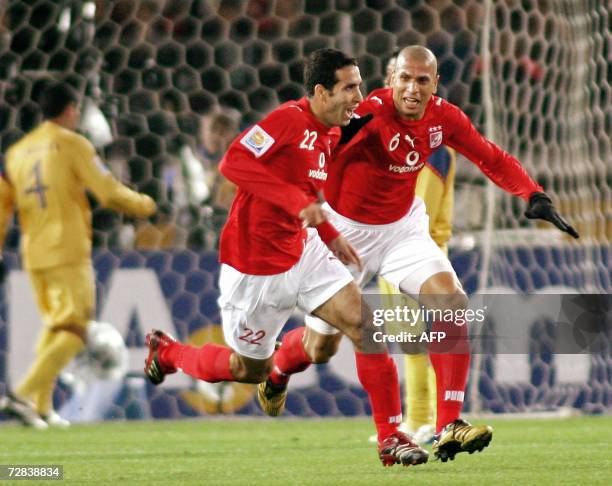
x=372 y=180
x=279 y=166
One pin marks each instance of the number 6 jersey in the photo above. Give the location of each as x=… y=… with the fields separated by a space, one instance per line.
x=372 y=180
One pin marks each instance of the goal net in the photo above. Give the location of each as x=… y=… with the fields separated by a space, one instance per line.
x=532 y=74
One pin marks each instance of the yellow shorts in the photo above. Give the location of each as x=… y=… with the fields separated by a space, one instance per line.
x=65 y=294
x=392 y=298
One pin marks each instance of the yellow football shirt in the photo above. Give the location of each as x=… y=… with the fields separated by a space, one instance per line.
x=45 y=177
x=435 y=186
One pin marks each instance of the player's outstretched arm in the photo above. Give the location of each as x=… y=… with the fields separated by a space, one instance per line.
x=540 y=206
x=96 y=177
x=122 y=199
x=350 y=130
x=312 y=215
x=113 y=194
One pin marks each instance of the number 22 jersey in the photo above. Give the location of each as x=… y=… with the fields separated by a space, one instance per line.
x=279 y=166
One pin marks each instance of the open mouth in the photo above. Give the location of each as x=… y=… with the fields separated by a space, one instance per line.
x=411 y=102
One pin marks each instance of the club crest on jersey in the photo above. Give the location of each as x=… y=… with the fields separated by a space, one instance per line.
x=257 y=140
x=435 y=137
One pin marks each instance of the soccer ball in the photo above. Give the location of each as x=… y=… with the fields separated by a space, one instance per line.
x=106 y=351
x=104 y=358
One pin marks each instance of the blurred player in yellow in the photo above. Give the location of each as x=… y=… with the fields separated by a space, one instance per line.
x=435 y=186
x=44 y=177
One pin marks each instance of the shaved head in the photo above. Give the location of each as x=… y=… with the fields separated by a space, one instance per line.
x=414 y=81
x=418 y=54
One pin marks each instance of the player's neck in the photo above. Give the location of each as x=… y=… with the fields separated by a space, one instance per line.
x=63 y=121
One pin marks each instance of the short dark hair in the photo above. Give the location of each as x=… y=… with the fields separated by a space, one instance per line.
x=321 y=67
x=55 y=99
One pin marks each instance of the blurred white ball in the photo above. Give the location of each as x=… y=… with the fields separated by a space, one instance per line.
x=104 y=358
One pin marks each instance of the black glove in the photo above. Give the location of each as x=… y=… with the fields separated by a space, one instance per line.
x=350 y=130
x=541 y=207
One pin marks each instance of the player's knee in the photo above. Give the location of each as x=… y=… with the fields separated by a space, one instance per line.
x=456 y=301
x=452 y=298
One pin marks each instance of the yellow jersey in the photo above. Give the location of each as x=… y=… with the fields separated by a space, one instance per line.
x=45 y=176
x=435 y=186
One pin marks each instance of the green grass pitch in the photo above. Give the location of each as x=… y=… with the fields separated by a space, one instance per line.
x=264 y=451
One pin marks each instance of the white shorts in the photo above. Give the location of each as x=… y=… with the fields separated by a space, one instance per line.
x=402 y=251
x=254 y=308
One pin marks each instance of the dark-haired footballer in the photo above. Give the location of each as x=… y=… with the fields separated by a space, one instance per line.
x=278 y=251
x=44 y=178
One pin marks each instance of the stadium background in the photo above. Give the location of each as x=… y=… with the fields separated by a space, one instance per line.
x=533 y=75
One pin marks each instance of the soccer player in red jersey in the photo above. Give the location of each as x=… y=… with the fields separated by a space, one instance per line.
x=274 y=255
x=370 y=191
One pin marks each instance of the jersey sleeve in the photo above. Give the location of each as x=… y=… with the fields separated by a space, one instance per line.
x=99 y=180
x=247 y=163
x=499 y=166
x=374 y=103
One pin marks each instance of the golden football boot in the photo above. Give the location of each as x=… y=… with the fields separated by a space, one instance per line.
x=272 y=398
x=461 y=436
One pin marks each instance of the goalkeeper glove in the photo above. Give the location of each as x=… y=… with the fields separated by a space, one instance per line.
x=541 y=207
x=350 y=130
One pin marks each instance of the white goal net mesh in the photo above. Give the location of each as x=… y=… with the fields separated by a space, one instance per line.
x=155 y=68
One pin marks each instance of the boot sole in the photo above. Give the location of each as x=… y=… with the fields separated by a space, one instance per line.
x=449 y=451
x=478 y=444
x=415 y=459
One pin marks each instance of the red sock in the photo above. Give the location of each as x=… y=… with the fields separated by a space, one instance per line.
x=210 y=362
x=378 y=376
x=290 y=358
x=451 y=363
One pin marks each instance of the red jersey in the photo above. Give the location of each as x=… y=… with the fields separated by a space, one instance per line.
x=279 y=166
x=372 y=179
